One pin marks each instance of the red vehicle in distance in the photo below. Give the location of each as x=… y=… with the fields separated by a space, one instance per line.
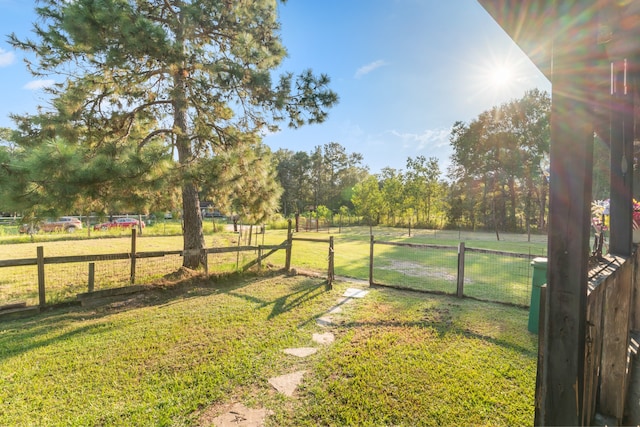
x=119 y=223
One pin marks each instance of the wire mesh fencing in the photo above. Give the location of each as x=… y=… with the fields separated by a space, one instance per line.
x=456 y=270
x=19 y=284
x=51 y=280
x=478 y=273
x=420 y=267
x=498 y=276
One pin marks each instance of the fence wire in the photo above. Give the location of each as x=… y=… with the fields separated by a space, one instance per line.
x=488 y=275
x=419 y=267
x=64 y=281
x=19 y=284
x=498 y=277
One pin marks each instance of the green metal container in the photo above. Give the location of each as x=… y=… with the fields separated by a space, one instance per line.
x=538 y=279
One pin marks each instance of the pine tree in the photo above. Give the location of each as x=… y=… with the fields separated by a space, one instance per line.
x=192 y=76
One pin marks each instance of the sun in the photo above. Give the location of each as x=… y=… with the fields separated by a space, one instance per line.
x=494 y=78
x=501 y=76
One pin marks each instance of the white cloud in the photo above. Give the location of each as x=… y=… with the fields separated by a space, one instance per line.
x=6 y=58
x=429 y=139
x=366 y=69
x=39 y=84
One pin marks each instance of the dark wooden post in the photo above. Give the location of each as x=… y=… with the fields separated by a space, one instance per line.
x=622 y=134
x=541 y=335
x=371 y=260
x=571 y=157
x=92 y=276
x=205 y=260
x=132 y=279
x=41 y=292
x=140 y=224
x=287 y=262
x=460 y=290
x=330 y=273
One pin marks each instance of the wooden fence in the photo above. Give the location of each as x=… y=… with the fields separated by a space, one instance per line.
x=612 y=322
x=330 y=256
x=134 y=258
x=506 y=276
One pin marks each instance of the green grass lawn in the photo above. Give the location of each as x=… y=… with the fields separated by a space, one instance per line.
x=167 y=356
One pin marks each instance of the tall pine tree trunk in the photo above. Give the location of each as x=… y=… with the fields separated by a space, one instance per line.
x=193 y=237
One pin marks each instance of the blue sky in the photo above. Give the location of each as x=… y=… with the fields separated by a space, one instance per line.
x=405 y=71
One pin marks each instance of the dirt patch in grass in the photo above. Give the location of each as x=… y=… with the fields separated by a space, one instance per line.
x=232 y=415
x=183 y=273
x=416 y=270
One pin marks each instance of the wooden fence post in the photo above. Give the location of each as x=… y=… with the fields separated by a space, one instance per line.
x=460 y=290
x=287 y=265
x=41 y=292
x=140 y=223
x=133 y=256
x=330 y=275
x=92 y=276
x=205 y=261
x=371 y=260
x=259 y=257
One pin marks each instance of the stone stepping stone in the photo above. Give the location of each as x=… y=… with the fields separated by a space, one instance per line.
x=338 y=307
x=240 y=415
x=324 y=321
x=301 y=352
x=287 y=384
x=335 y=309
x=326 y=338
x=355 y=293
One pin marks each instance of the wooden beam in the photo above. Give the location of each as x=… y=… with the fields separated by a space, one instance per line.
x=571 y=158
x=621 y=143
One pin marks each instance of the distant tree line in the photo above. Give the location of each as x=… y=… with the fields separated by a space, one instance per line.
x=324 y=177
x=496 y=179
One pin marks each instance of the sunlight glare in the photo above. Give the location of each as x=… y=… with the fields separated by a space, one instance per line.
x=501 y=76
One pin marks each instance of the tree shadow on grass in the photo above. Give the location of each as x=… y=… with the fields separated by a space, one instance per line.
x=23 y=335
x=306 y=290
x=442 y=330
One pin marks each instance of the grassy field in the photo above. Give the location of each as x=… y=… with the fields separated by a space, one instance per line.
x=176 y=355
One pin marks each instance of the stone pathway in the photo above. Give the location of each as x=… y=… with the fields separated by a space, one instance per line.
x=287 y=384
x=301 y=352
x=240 y=415
x=326 y=338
